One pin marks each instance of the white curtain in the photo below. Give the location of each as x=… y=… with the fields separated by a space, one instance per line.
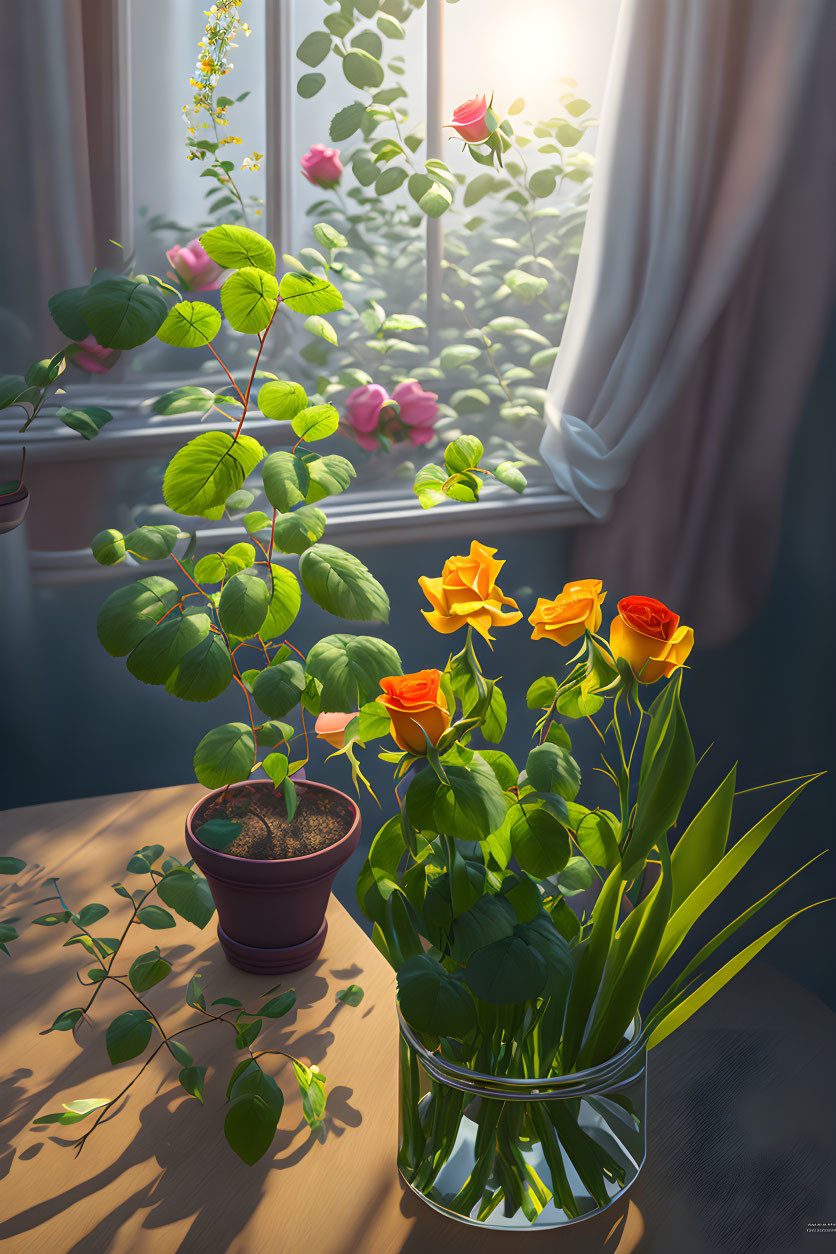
x=702 y=293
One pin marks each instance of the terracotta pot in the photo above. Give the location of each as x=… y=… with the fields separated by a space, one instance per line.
x=271 y=911
x=13 y=508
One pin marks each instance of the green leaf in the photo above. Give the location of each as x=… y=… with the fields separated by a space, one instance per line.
x=225 y=755
x=43 y=920
x=108 y=547
x=193 y=1080
x=298 y=531
x=218 y=833
x=309 y=84
x=306 y=294
x=350 y=668
x=471 y=807
x=314 y=47
x=456 y=355
x=436 y=200
x=597 y=833
x=247 y=1033
x=144 y=859
x=155 y=917
x=121 y=312
x=65 y=308
x=506 y=972
x=129 y=613
x=568 y=135
x=285 y=602
x=351 y=996
x=203 y=673
x=316 y=422
x=576 y=877
x=490 y=919
x=510 y=474
x=148 y=969
x=278 y=1006
x=185 y=400
x=668 y=764
x=429 y=486
x=329 y=476
x=249 y=299
x=87 y=421
x=11 y=866
x=433 y=1001
x=128 y=1035
x=65 y=1022
x=543 y=182
x=235 y=247
x=464 y=453
x=389 y=180
x=321 y=327
x=550 y=768
x=273 y=733
x=328 y=236
x=161 y=650
x=249 y=1127
x=152 y=543
x=526 y=286
x=703 y=843
x=277 y=690
x=190 y=324
x=540 y=842
x=340 y=584
x=41 y=373
x=282 y=400
x=88 y=915
x=362 y=69
x=346 y=122
x=275 y=766
x=243 y=603
x=286 y=480
x=188 y=895
x=206 y=471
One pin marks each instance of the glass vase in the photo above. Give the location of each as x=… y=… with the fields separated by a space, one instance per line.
x=520 y=1154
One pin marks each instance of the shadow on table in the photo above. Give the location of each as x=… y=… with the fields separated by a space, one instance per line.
x=184 y=1138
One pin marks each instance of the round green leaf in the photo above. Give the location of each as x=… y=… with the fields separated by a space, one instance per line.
x=190 y=324
x=506 y=972
x=306 y=294
x=351 y=996
x=65 y=308
x=309 y=84
x=128 y=1035
x=275 y=766
x=551 y=768
x=329 y=476
x=192 y=1079
x=147 y=970
x=108 y=547
x=472 y=806
x=206 y=471
x=155 y=917
x=203 y=673
x=346 y=122
x=329 y=237
x=286 y=480
x=159 y=652
x=362 y=69
x=129 y=613
x=243 y=605
x=152 y=544
x=188 y=895
x=281 y=399
x=463 y=454
x=339 y=583
x=225 y=755
x=11 y=866
x=234 y=247
x=298 y=531
x=432 y=1000
x=350 y=668
x=249 y=1127
x=249 y=299
x=543 y=182
x=278 y=1006
x=219 y=833
x=314 y=47
x=456 y=355
x=389 y=180
x=87 y=421
x=277 y=689
x=436 y=200
x=321 y=327
x=284 y=605
x=539 y=841
x=122 y=313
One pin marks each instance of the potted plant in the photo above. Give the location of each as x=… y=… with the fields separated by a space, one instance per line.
x=524 y=1022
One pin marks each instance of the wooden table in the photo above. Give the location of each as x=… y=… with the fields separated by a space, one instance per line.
x=741 y=1142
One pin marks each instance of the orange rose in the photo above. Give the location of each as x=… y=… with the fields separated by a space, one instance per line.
x=417 y=709
x=648 y=635
x=466 y=594
x=331 y=728
x=575 y=610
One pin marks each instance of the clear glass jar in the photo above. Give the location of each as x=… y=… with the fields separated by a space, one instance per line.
x=521 y=1154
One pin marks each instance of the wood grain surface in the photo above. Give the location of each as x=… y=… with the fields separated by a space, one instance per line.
x=742 y=1102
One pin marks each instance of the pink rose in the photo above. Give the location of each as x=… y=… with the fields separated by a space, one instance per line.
x=469 y=120
x=92 y=357
x=363 y=406
x=419 y=410
x=322 y=165
x=331 y=728
x=420 y=435
x=194 y=267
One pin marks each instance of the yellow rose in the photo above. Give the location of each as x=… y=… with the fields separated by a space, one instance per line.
x=572 y=612
x=466 y=594
x=648 y=636
x=417 y=709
